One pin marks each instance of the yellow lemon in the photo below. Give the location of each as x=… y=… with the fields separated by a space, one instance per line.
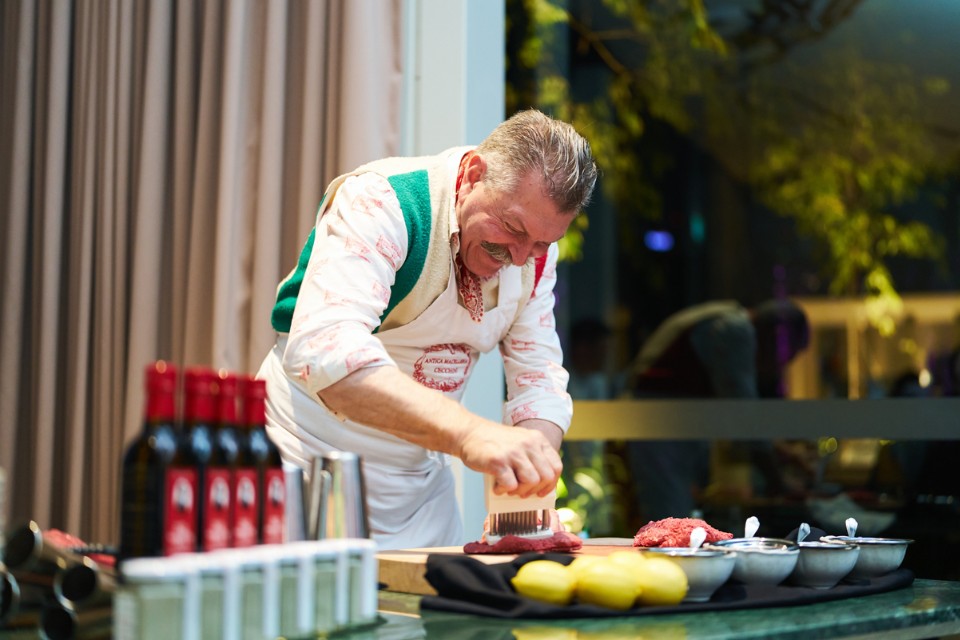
x=546 y=581
x=631 y=560
x=662 y=582
x=608 y=584
x=582 y=563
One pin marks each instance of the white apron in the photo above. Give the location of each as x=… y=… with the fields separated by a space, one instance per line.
x=410 y=491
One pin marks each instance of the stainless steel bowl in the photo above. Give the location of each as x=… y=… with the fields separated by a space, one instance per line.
x=765 y=561
x=822 y=565
x=878 y=556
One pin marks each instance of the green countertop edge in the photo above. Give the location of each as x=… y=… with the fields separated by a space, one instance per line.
x=925 y=609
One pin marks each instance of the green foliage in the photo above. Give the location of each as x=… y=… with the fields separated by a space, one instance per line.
x=836 y=143
x=571 y=244
x=675 y=34
x=845 y=164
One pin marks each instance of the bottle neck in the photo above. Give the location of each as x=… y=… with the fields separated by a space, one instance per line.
x=227 y=413
x=161 y=408
x=198 y=409
x=254 y=413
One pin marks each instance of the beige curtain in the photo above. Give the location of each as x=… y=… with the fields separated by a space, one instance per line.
x=160 y=166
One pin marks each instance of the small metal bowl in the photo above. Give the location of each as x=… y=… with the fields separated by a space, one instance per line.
x=764 y=561
x=706 y=569
x=822 y=565
x=878 y=556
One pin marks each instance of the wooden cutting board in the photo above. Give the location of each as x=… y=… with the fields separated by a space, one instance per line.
x=404 y=570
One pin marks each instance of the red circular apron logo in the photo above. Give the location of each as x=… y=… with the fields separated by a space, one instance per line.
x=443 y=367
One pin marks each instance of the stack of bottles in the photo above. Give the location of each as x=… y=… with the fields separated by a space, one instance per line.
x=299 y=589
x=205 y=478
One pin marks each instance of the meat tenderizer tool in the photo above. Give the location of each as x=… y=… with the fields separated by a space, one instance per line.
x=516 y=516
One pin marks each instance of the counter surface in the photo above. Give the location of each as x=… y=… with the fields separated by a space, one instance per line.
x=927 y=609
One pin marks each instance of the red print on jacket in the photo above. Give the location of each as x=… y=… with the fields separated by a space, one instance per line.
x=366 y=204
x=390 y=252
x=443 y=367
x=335 y=299
x=522 y=345
x=359 y=359
x=523 y=412
x=532 y=379
x=381 y=293
x=357 y=248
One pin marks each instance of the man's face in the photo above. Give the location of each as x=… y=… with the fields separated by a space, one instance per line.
x=501 y=229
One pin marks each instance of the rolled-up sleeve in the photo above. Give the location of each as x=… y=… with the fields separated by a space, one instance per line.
x=359 y=243
x=532 y=356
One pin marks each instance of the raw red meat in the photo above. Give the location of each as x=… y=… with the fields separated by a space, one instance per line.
x=559 y=541
x=675 y=532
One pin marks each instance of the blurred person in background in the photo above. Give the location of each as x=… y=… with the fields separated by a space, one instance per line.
x=717 y=349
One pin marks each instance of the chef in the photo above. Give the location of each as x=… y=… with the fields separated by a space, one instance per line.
x=415 y=267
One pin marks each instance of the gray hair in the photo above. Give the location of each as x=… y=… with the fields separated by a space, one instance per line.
x=531 y=141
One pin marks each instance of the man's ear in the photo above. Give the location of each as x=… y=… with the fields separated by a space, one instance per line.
x=476 y=169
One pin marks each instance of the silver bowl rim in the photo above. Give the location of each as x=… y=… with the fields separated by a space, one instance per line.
x=687 y=552
x=832 y=546
x=759 y=545
x=865 y=540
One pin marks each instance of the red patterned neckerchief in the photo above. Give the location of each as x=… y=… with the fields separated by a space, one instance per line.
x=467 y=284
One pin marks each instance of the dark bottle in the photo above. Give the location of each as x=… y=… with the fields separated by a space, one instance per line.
x=159 y=492
x=271 y=481
x=245 y=495
x=200 y=450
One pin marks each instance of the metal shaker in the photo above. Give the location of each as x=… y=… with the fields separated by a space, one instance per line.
x=337 y=504
x=295 y=504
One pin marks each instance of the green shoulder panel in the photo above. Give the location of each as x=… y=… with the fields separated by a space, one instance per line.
x=413 y=192
x=289 y=289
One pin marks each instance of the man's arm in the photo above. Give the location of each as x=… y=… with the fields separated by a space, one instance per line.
x=523 y=462
x=536 y=381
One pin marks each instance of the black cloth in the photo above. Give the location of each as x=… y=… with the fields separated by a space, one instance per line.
x=466 y=585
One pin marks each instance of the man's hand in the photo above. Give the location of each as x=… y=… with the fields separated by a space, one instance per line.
x=523 y=462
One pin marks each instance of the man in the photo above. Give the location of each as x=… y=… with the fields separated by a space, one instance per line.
x=415 y=267
x=715 y=349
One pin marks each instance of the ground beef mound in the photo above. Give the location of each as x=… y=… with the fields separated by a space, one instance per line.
x=560 y=541
x=675 y=532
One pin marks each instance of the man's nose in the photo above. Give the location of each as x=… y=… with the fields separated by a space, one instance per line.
x=520 y=252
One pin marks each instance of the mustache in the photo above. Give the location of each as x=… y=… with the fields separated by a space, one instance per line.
x=497 y=251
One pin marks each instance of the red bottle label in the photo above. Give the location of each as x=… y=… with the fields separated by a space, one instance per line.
x=217 y=509
x=180 y=511
x=245 y=508
x=274 y=506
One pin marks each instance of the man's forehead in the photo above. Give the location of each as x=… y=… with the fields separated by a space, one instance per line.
x=546 y=225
